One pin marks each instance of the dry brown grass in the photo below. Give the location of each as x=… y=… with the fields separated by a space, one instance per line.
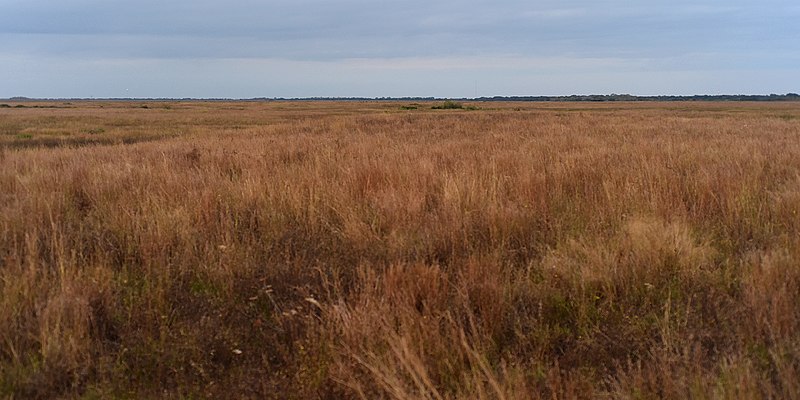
x=358 y=250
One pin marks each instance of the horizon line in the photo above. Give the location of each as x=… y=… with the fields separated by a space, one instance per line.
x=575 y=97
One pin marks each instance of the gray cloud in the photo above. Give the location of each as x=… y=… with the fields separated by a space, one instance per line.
x=665 y=36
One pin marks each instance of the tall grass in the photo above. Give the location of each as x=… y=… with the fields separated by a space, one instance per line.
x=357 y=251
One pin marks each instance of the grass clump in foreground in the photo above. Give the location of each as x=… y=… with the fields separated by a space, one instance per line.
x=640 y=253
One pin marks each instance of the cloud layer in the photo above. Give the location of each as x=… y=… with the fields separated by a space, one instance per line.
x=248 y=48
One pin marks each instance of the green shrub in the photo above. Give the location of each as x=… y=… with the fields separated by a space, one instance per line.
x=449 y=105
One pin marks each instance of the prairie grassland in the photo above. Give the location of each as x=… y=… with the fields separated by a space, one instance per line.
x=358 y=250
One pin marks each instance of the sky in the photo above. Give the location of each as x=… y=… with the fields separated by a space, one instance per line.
x=376 y=48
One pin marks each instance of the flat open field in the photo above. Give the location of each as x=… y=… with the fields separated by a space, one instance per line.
x=366 y=250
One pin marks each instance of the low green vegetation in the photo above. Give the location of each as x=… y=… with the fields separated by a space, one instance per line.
x=449 y=105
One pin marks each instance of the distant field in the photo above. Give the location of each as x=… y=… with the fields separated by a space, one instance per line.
x=301 y=250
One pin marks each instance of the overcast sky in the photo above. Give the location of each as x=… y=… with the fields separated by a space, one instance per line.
x=300 y=48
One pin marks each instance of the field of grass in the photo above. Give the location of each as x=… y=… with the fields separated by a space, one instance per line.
x=316 y=250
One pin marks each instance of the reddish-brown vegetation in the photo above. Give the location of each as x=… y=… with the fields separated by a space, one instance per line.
x=359 y=250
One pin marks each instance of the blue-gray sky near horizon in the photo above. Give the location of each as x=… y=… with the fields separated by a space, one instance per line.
x=303 y=48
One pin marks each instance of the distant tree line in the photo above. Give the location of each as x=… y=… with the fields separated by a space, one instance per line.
x=628 y=97
x=574 y=97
